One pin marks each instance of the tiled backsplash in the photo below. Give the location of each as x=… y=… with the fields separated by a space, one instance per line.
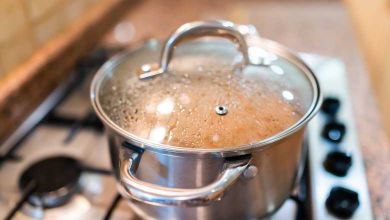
x=25 y=25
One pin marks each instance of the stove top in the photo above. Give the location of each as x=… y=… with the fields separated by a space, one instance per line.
x=337 y=176
x=57 y=165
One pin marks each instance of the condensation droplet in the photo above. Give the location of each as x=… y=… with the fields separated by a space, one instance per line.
x=157 y=134
x=277 y=69
x=287 y=95
x=215 y=137
x=166 y=106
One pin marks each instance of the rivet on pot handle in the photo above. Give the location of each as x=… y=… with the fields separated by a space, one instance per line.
x=159 y=195
x=194 y=30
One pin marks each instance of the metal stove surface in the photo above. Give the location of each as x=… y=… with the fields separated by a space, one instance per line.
x=97 y=186
x=338 y=182
x=68 y=130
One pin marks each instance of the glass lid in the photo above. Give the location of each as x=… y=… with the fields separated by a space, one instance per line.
x=205 y=93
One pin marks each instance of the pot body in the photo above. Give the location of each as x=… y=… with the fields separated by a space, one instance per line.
x=247 y=182
x=253 y=195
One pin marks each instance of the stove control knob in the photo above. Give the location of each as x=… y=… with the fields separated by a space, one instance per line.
x=342 y=202
x=334 y=131
x=338 y=163
x=330 y=106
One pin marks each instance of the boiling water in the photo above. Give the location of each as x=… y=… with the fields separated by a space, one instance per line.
x=180 y=109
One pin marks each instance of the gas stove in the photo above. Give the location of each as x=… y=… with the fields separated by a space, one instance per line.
x=338 y=185
x=57 y=165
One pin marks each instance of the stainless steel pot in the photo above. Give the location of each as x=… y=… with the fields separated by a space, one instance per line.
x=171 y=182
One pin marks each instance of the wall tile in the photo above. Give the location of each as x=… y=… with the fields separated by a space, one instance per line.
x=12 y=18
x=26 y=25
x=16 y=50
x=39 y=8
x=49 y=27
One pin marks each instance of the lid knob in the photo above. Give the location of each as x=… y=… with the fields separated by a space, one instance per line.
x=221 y=110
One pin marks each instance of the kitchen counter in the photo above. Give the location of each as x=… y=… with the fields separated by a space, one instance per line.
x=321 y=27
x=27 y=84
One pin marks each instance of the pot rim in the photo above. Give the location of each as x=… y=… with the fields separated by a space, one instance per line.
x=270 y=45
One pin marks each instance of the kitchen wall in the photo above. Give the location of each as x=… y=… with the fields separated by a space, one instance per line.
x=25 y=25
x=371 y=20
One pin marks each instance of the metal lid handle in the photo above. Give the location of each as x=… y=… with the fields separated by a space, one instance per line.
x=193 y=30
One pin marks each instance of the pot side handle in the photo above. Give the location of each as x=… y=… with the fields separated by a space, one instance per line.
x=159 y=195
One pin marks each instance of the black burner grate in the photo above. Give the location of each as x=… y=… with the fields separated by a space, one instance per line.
x=56 y=180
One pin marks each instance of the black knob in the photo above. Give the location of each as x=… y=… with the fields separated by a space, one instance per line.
x=338 y=163
x=330 y=106
x=342 y=202
x=334 y=131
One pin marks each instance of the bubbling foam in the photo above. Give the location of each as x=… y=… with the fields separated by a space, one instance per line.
x=179 y=109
